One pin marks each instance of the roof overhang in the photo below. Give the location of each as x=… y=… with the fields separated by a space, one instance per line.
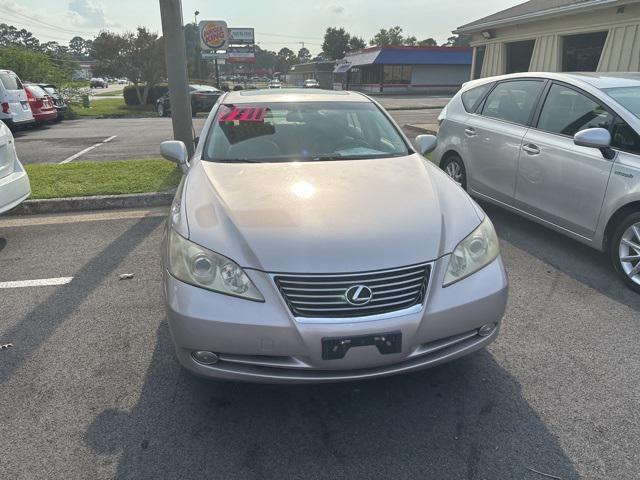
x=529 y=17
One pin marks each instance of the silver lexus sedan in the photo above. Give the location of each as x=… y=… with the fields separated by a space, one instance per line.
x=562 y=149
x=310 y=242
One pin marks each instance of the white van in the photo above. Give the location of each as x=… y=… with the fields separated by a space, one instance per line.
x=14 y=105
x=14 y=182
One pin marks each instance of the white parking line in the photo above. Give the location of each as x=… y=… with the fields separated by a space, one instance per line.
x=41 y=282
x=88 y=149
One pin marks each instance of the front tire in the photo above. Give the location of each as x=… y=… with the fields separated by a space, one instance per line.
x=454 y=167
x=624 y=250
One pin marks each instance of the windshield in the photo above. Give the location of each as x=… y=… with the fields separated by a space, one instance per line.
x=628 y=97
x=302 y=131
x=37 y=91
x=51 y=90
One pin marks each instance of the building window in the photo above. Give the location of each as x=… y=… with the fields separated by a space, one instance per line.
x=397 y=74
x=519 y=56
x=581 y=53
x=477 y=68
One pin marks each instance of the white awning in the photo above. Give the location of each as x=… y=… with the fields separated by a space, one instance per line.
x=342 y=68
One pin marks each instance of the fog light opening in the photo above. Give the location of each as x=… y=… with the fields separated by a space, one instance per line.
x=204 y=357
x=487 y=329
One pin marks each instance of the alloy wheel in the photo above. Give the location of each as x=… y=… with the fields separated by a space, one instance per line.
x=629 y=252
x=454 y=170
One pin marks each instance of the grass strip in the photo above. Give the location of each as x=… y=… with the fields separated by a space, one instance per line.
x=78 y=179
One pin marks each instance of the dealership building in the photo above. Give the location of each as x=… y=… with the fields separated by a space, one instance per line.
x=403 y=69
x=556 y=36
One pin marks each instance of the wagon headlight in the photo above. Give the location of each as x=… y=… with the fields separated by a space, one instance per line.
x=198 y=266
x=473 y=253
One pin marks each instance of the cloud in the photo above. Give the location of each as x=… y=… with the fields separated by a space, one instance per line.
x=337 y=9
x=87 y=13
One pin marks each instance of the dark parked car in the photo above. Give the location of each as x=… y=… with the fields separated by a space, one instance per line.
x=203 y=98
x=58 y=101
x=41 y=104
x=98 y=82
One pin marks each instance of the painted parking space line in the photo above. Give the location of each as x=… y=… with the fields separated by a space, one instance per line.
x=88 y=149
x=40 y=282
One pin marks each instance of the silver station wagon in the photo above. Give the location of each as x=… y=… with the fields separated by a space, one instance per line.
x=310 y=242
x=560 y=149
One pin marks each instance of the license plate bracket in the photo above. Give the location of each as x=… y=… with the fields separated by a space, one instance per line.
x=386 y=343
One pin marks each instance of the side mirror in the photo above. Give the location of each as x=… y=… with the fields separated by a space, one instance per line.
x=426 y=143
x=599 y=138
x=175 y=151
x=593 y=137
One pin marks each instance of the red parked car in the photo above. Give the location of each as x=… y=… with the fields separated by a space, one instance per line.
x=41 y=103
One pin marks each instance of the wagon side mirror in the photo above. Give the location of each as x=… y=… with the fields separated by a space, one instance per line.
x=599 y=138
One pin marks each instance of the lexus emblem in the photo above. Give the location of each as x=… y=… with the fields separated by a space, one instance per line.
x=358 y=295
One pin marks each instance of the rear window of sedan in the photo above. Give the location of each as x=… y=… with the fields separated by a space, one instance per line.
x=10 y=81
x=299 y=131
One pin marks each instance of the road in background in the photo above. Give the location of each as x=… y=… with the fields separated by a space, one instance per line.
x=91 y=388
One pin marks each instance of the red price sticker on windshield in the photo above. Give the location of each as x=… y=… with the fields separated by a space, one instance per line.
x=242 y=114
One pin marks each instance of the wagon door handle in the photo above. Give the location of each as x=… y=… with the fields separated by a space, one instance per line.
x=531 y=149
x=470 y=132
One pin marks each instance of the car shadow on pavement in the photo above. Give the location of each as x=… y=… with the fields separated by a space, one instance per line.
x=463 y=420
x=39 y=324
x=3 y=243
x=571 y=257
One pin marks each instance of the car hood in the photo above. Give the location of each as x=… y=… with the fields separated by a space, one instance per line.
x=329 y=216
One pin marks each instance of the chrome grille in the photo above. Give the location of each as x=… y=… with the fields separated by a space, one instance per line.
x=324 y=295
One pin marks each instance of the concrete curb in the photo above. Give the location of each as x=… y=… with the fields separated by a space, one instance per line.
x=98 y=202
x=423 y=128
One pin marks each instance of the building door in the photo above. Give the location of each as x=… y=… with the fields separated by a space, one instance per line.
x=581 y=53
x=519 y=56
x=479 y=60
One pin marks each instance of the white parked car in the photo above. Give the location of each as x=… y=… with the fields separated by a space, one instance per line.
x=14 y=104
x=14 y=182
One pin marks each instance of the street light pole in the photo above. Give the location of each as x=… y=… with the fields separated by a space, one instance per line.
x=197 y=59
x=176 y=61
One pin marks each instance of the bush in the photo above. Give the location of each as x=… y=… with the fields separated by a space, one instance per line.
x=237 y=87
x=224 y=87
x=155 y=92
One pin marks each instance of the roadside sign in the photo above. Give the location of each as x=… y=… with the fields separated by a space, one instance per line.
x=214 y=56
x=241 y=36
x=241 y=55
x=214 y=34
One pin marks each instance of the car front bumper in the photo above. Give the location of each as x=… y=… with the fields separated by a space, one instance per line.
x=262 y=342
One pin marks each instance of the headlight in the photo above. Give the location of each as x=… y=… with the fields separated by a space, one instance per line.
x=473 y=253
x=198 y=266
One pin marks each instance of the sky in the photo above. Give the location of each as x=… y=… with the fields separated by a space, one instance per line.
x=278 y=23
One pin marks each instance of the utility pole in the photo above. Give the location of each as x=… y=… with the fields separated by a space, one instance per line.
x=176 y=60
x=198 y=60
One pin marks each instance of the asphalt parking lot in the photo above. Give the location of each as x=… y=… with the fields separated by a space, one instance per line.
x=90 y=387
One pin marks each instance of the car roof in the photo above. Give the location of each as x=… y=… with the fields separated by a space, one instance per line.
x=294 y=95
x=599 y=80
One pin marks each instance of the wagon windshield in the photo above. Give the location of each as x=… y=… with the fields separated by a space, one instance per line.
x=302 y=131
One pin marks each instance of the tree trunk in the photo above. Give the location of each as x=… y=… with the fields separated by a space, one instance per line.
x=138 y=94
x=145 y=95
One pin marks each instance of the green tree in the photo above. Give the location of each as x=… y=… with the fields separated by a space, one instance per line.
x=457 y=41
x=286 y=58
x=78 y=47
x=391 y=37
x=428 y=42
x=33 y=66
x=137 y=56
x=356 y=43
x=336 y=43
x=10 y=35
x=304 y=55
